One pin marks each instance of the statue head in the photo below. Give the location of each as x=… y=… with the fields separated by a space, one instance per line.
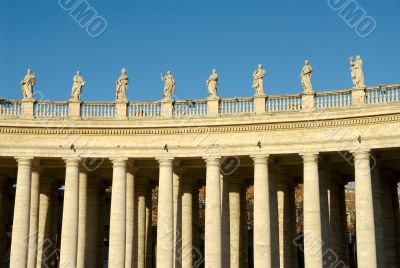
x=168 y=72
x=358 y=57
x=123 y=71
x=78 y=72
x=260 y=66
x=28 y=72
x=306 y=62
x=214 y=71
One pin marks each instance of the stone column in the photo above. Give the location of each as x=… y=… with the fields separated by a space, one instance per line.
x=244 y=235
x=165 y=222
x=81 y=257
x=187 y=224
x=336 y=235
x=3 y=215
x=20 y=234
x=293 y=224
x=313 y=244
x=130 y=218
x=70 y=221
x=387 y=220
x=118 y=215
x=177 y=203
x=262 y=213
x=46 y=244
x=141 y=222
x=365 y=231
x=213 y=249
x=225 y=228
x=234 y=222
x=197 y=254
x=101 y=214
x=92 y=228
x=149 y=226
x=34 y=220
x=285 y=239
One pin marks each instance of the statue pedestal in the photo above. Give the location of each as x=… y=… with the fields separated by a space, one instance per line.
x=27 y=109
x=259 y=104
x=167 y=107
x=74 y=109
x=308 y=100
x=213 y=106
x=358 y=97
x=121 y=108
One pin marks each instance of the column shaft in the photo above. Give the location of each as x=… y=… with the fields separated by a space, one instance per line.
x=313 y=251
x=365 y=231
x=234 y=223
x=187 y=225
x=213 y=249
x=118 y=215
x=244 y=241
x=130 y=218
x=81 y=257
x=141 y=223
x=20 y=234
x=70 y=221
x=165 y=224
x=177 y=202
x=34 y=220
x=285 y=240
x=93 y=223
x=262 y=214
x=149 y=227
x=101 y=223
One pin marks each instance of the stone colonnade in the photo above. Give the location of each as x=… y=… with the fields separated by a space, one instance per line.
x=275 y=239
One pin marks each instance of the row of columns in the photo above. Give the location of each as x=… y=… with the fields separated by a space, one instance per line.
x=122 y=245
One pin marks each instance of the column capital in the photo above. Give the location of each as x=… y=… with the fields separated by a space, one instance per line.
x=361 y=154
x=310 y=157
x=165 y=161
x=72 y=161
x=212 y=161
x=260 y=158
x=24 y=161
x=119 y=162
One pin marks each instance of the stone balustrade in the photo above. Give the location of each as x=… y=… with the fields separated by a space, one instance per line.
x=338 y=99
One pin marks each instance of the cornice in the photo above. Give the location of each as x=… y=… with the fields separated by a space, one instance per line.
x=176 y=130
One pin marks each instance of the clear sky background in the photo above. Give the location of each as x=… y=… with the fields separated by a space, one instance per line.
x=190 y=38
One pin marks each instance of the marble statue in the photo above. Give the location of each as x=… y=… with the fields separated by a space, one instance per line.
x=357 y=74
x=258 y=82
x=169 y=85
x=122 y=86
x=27 y=85
x=212 y=84
x=305 y=78
x=77 y=87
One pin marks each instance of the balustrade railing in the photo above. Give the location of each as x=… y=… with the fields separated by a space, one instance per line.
x=97 y=110
x=190 y=108
x=284 y=103
x=10 y=108
x=338 y=99
x=50 y=109
x=236 y=106
x=333 y=99
x=144 y=109
x=382 y=94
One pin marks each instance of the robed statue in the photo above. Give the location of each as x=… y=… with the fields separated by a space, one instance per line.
x=27 y=85
x=77 y=87
x=122 y=86
x=258 y=80
x=305 y=78
x=212 y=84
x=169 y=85
x=357 y=74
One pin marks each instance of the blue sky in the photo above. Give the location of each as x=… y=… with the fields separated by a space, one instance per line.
x=190 y=38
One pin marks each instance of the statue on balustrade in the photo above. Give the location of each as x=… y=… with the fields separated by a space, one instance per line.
x=305 y=78
x=169 y=85
x=357 y=74
x=77 y=87
x=27 y=85
x=212 y=84
x=122 y=87
x=258 y=82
